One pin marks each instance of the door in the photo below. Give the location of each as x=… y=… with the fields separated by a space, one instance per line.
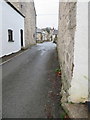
x=21 y=32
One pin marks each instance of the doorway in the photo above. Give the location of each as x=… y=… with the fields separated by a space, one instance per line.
x=21 y=32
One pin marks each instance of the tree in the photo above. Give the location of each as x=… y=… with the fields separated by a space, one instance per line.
x=48 y=30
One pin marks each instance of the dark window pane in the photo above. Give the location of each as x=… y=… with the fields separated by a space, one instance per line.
x=10 y=35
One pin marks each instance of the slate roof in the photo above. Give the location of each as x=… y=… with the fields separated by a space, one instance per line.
x=39 y=30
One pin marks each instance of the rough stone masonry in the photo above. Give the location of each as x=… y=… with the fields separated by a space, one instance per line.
x=67 y=26
x=73 y=51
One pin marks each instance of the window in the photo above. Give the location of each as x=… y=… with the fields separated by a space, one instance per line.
x=10 y=35
x=21 y=6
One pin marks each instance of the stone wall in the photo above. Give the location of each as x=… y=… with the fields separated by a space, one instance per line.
x=32 y=23
x=73 y=51
x=28 y=10
x=67 y=26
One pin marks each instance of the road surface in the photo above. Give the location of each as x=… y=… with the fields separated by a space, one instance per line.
x=26 y=83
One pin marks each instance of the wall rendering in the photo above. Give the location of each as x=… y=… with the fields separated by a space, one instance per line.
x=11 y=19
x=79 y=84
x=1 y=28
x=28 y=10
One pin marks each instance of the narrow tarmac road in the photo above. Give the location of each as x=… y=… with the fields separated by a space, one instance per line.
x=26 y=83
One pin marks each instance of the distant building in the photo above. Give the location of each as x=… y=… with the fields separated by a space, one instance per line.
x=46 y=34
x=55 y=33
x=42 y=35
x=39 y=35
x=11 y=30
x=51 y=33
x=55 y=36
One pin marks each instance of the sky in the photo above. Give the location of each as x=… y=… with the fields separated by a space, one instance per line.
x=47 y=13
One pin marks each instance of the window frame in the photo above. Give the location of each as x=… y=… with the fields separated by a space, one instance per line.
x=10 y=35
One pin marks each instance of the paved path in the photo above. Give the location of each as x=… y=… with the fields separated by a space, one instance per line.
x=26 y=82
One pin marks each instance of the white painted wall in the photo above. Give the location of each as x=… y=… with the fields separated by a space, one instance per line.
x=11 y=19
x=0 y=28
x=0 y=66
x=79 y=84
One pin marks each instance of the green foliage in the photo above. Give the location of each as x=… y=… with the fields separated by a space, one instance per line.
x=48 y=30
x=58 y=70
x=62 y=116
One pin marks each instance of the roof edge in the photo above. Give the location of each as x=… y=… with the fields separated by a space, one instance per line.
x=14 y=8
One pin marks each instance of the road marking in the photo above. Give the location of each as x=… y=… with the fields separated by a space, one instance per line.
x=14 y=57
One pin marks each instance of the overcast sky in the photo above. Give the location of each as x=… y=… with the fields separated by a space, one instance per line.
x=47 y=13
